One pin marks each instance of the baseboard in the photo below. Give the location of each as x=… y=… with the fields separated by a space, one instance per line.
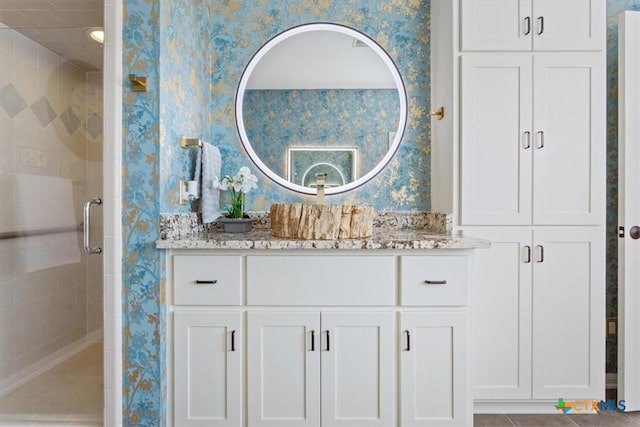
x=7 y=385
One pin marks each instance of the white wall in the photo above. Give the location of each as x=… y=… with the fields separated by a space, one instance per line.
x=50 y=162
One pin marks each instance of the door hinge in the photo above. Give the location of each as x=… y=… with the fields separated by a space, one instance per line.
x=621 y=232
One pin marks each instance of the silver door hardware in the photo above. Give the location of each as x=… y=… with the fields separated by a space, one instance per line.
x=527 y=140
x=621 y=232
x=527 y=259
x=634 y=232
x=540 y=249
x=87 y=207
x=527 y=22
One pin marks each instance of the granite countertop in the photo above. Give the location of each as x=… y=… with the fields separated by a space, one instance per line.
x=391 y=231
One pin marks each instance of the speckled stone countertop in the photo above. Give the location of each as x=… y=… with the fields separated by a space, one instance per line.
x=392 y=230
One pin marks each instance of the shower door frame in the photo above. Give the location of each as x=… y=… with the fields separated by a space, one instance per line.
x=112 y=197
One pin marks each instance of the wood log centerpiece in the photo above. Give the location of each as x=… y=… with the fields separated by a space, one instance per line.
x=321 y=222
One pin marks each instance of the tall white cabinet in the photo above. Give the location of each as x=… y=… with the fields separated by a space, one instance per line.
x=529 y=117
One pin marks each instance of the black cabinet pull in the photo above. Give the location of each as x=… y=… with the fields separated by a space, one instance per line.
x=206 y=282
x=408 y=347
x=527 y=21
x=435 y=282
x=313 y=340
x=233 y=340
x=328 y=341
x=540 y=25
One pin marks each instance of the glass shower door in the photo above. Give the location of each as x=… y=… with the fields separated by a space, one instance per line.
x=51 y=292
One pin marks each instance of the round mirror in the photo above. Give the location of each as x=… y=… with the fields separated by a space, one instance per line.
x=321 y=98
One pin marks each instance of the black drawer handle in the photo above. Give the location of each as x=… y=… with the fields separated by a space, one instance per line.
x=206 y=282
x=435 y=282
x=233 y=340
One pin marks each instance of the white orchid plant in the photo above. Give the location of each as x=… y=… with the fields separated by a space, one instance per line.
x=240 y=184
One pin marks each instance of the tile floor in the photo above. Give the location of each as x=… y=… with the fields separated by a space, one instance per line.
x=602 y=419
x=70 y=394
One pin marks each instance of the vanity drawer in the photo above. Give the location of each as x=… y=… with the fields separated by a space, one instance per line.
x=224 y=271
x=321 y=280
x=434 y=280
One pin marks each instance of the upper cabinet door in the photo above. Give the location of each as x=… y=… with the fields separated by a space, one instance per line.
x=496 y=25
x=496 y=139
x=569 y=125
x=569 y=24
x=525 y=25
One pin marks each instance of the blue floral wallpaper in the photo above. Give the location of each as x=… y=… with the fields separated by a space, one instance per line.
x=185 y=93
x=279 y=119
x=157 y=34
x=143 y=345
x=165 y=40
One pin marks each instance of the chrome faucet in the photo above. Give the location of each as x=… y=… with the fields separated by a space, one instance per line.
x=320 y=176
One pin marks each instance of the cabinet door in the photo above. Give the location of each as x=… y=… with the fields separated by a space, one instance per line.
x=569 y=314
x=496 y=139
x=496 y=25
x=435 y=383
x=570 y=139
x=569 y=24
x=283 y=369
x=523 y=25
x=207 y=368
x=502 y=314
x=358 y=369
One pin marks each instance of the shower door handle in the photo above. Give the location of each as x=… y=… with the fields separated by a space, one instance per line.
x=87 y=208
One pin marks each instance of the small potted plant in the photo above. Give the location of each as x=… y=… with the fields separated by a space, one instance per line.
x=238 y=185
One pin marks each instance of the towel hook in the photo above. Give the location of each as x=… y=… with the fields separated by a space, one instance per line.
x=138 y=83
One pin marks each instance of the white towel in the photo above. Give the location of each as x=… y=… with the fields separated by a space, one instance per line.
x=208 y=165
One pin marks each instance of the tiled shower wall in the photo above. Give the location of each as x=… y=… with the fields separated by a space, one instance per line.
x=50 y=163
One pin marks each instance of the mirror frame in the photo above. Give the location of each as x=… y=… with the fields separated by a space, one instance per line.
x=321 y=26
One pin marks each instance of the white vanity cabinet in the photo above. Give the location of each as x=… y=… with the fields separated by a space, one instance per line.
x=524 y=25
x=320 y=338
x=329 y=368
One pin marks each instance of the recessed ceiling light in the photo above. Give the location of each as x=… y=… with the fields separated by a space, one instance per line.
x=96 y=34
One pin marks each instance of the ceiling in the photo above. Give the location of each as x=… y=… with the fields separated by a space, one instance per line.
x=60 y=26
